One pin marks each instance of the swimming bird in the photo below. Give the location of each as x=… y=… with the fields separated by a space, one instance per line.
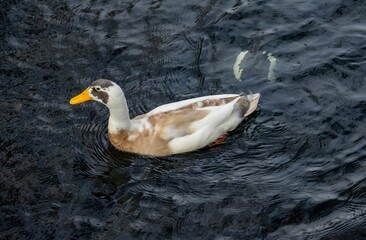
x=172 y=128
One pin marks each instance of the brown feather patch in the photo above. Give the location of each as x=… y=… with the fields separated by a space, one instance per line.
x=100 y=95
x=154 y=141
x=209 y=102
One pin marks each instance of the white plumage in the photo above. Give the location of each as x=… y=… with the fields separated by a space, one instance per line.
x=172 y=128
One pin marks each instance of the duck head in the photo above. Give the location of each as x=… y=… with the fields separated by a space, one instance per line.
x=103 y=91
x=111 y=95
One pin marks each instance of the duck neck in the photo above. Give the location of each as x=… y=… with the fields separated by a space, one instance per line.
x=119 y=118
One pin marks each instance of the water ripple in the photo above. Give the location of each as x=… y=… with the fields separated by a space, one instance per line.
x=294 y=169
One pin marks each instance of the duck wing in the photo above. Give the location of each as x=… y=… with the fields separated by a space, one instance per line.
x=206 y=130
x=212 y=100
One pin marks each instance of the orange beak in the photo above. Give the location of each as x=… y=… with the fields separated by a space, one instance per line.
x=82 y=97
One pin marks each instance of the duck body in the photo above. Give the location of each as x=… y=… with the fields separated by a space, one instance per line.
x=173 y=128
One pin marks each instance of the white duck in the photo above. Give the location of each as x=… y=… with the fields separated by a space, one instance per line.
x=173 y=128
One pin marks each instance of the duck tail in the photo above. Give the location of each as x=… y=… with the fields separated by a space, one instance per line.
x=253 y=100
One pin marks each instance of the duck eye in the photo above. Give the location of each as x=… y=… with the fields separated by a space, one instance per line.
x=97 y=89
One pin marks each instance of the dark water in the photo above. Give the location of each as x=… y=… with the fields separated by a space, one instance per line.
x=294 y=170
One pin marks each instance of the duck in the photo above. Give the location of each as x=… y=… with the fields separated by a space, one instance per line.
x=173 y=128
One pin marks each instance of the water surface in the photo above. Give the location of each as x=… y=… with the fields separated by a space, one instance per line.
x=294 y=170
